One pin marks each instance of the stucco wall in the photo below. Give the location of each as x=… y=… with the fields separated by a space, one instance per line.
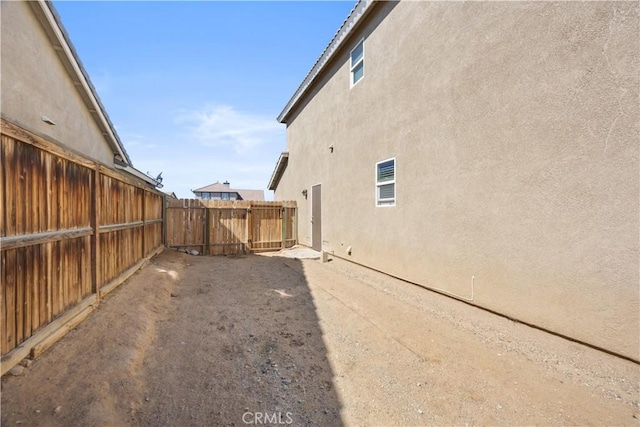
x=515 y=132
x=34 y=83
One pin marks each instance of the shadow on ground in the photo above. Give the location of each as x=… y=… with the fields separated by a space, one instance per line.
x=244 y=347
x=196 y=341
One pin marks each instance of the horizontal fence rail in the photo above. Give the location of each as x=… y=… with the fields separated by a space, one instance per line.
x=217 y=227
x=69 y=228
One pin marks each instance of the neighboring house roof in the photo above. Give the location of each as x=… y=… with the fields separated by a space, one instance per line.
x=251 y=194
x=355 y=18
x=61 y=43
x=224 y=188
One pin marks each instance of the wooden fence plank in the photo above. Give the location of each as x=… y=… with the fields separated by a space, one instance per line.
x=65 y=275
x=95 y=224
x=18 y=189
x=8 y=302
x=8 y=167
x=3 y=201
x=25 y=189
x=87 y=283
x=19 y=295
x=50 y=275
x=42 y=286
x=28 y=291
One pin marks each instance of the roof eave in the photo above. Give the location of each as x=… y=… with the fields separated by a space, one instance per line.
x=283 y=160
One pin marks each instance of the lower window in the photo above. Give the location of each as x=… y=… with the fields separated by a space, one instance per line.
x=386 y=182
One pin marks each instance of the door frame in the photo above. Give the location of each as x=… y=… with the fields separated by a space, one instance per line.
x=318 y=246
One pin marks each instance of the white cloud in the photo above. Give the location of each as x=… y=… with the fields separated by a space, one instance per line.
x=198 y=147
x=222 y=126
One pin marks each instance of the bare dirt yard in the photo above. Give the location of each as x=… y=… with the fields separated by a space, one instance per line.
x=251 y=340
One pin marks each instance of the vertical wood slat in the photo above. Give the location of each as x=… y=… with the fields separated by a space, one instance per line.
x=3 y=310
x=18 y=188
x=3 y=261
x=57 y=293
x=144 y=221
x=209 y=222
x=42 y=286
x=49 y=268
x=9 y=317
x=25 y=190
x=19 y=295
x=28 y=291
x=3 y=202
x=8 y=147
x=95 y=238
x=141 y=231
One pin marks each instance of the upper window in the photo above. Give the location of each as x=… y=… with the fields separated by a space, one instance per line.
x=357 y=63
x=386 y=183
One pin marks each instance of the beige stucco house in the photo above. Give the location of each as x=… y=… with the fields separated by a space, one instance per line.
x=486 y=150
x=47 y=91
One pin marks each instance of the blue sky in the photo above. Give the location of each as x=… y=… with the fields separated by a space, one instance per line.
x=194 y=88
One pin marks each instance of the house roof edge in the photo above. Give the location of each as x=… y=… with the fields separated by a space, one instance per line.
x=67 y=52
x=281 y=165
x=355 y=17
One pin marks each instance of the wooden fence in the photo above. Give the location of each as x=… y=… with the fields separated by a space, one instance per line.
x=70 y=231
x=216 y=227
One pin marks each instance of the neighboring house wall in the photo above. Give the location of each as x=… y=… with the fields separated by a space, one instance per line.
x=216 y=195
x=35 y=83
x=515 y=132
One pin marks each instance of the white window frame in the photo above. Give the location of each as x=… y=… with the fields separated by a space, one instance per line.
x=385 y=203
x=352 y=66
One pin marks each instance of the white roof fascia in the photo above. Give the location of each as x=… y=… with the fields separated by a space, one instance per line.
x=281 y=165
x=95 y=106
x=357 y=14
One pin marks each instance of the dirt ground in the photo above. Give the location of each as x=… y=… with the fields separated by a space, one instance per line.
x=251 y=340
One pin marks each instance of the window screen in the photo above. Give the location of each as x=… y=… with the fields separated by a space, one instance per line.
x=386 y=183
x=357 y=63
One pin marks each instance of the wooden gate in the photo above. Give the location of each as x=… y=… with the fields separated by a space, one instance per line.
x=216 y=227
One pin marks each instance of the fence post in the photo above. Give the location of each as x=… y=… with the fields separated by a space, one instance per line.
x=284 y=227
x=295 y=230
x=165 y=202
x=144 y=223
x=249 y=228
x=207 y=221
